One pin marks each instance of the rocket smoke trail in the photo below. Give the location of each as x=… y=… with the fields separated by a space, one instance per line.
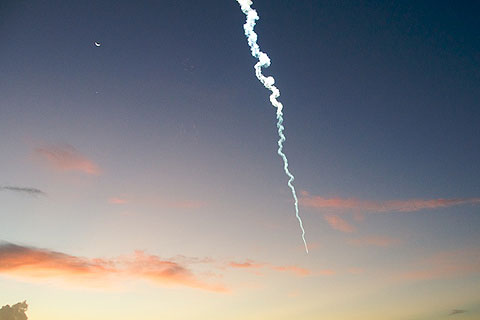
x=264 y=62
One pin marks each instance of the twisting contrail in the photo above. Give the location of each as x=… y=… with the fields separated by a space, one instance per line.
x=268 y=82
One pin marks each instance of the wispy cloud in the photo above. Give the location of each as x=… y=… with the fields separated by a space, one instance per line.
x=444 y=265
x=165 y=272
x=118 y=200
x=456 y=311
x=293 y=269
x=246 y=264
x=338 y=223
x=253 y=265
x=377 y=241
x=38 y=265
x=67 y=158
x=409 y=205
x=33 y=263
x=24 y=190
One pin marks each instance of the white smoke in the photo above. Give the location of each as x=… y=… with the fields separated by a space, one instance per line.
x=268 y=82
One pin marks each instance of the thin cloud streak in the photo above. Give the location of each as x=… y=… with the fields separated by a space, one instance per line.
x=352 y=204
x=338 y=223
x=24 y=190
x=33 y=263
x=445 y=265
x=376 y=241
x=253 y=265
x=67 y=158
x=117 y=200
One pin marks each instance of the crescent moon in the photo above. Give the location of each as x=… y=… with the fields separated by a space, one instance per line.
x=98 y=44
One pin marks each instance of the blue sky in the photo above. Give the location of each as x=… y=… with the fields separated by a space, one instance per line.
x=162 y=141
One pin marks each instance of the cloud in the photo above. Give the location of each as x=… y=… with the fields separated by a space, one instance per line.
x=33 y=263
x=40 y=265
x=376 y=241
x=245 y=265
x=166 y=272
x=294 y=269
x=118 y=200
x=456 y=311
x=445 y=264
x=15 y=312
x=67 y=158
x=24 y=190
x=338 y=223
x=352 y=204
x=250 y=264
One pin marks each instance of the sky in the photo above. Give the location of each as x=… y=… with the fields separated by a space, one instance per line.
x=140 y=179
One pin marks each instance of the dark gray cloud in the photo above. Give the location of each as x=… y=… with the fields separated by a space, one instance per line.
x=25 y=190
x=456 y=311
x=15 y=312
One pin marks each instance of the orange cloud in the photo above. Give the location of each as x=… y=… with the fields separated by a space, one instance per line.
x=167 y=272
x=296 y=270
x=245 y=265
x=377 y=241
x=250 y=264
x=36 y=263
x=33 y=263
x=338 y=223
x=352 y=204
x=67 y=158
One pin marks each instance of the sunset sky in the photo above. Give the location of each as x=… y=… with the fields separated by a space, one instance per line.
x=140 y=179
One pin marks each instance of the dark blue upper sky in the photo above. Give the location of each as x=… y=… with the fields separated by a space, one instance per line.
x=381 y=97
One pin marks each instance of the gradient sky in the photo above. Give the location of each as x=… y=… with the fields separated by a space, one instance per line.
x=140 y=179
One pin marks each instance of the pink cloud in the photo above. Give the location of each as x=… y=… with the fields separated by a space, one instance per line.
x=409 y=205
x=338 y=223
x=166 y=272
x=445 y=264
x=67 y=158
x=377 y=241
x=294 y=269
x=118 y=200
x=32 y=263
